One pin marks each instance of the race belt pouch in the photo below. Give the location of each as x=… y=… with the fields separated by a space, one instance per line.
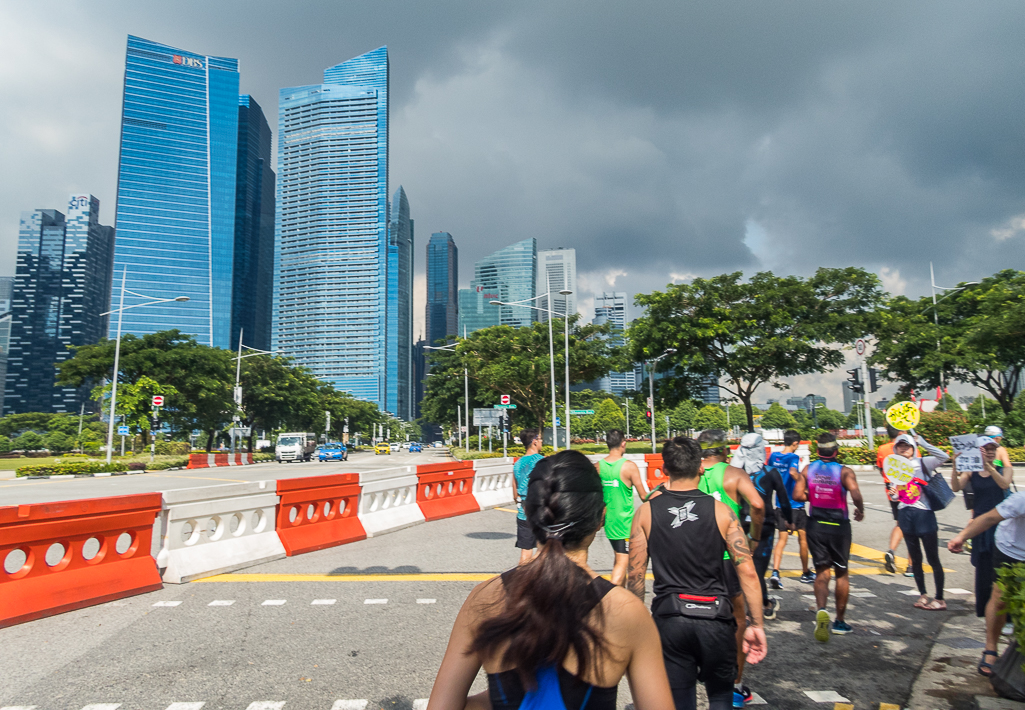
x=693 y=606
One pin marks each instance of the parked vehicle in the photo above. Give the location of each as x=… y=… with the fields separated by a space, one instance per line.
x=415 y=447
x=333 y=451
x=439 y=444
x=295 y=446
x=382 y=448
x=396 y=447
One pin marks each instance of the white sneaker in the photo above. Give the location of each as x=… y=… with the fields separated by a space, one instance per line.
x=1008 y=629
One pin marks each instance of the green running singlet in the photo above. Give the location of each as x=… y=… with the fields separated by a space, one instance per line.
x=712 y=483
x=619 y=500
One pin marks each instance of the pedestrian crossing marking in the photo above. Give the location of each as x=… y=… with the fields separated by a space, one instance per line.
x=221 y=602
x=426 y=601
x=185 y=706
x=826 y=696
x=165 y=604
x=349 y=705
x=273 y=602
x=102 y=706
x=322 y=602
x=266 y=705
x=375 y=601
x=420 y=704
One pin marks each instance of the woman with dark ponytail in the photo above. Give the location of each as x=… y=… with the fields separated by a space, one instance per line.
x=552 y=633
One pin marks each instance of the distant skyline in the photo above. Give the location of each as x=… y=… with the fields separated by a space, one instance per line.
x=694 y=139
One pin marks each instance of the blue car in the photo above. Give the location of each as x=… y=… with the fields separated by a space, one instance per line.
x=415 y=447
x=332 y=452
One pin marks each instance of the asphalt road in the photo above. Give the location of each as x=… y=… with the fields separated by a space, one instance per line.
x=341 y=625
x=19 y=491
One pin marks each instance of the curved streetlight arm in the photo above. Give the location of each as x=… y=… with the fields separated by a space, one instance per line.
x=180 y=299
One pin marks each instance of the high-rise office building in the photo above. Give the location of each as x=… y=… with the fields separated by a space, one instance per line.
x=611 y=308
x=507 y=275
x=331 y=257
x=6 y=292
x=62 y=286
x=442 y=316
x=419 y=375
x=176 y=199
x=399 y=371
x=254 y=229
x=557 y=271
x=806 y=403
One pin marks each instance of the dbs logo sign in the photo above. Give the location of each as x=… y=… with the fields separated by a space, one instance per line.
x=187 y=61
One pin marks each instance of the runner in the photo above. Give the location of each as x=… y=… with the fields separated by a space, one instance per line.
x=553 y=633
x=997 y=435
x=729 y=484
x=917 y=519
x=1009 y=548
x=767 y=481
x=788 y=463
x=619 y=479
x=825 y=485
x=889 y=560
x=686 y=533
x=521 y=472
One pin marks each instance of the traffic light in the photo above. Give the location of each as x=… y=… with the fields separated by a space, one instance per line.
x=647 y=415
x=857 y=386
x=873 y=385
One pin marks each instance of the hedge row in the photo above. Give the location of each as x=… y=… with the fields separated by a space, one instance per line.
x=72 y=468
x=465 y=455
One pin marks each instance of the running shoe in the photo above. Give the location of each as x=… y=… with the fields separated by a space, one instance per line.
x=888 y=562
x=841 y=627
x=822 y=626
x=808 y=577
x=1008 y=629
x=774 y=581
x=741 y=695
x=909 y=572
x=769 y=611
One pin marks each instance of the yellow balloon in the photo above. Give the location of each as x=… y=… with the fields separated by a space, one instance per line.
x=903 y=416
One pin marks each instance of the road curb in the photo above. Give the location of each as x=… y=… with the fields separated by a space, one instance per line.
x=102 y=474
x=948 y=678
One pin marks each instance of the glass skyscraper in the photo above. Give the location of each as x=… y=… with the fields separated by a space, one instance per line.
x=557 y=270
x=62 y=286
x=507 y=275
x=399 y=370
x=331 y=256
x=442 y=317
x=6 y=292
x=176 y=189
x=254 y=229
x=611 y=308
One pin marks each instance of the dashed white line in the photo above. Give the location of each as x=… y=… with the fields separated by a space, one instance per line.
x=266 y=705
x=219 y=602
x=426 y=601
x=956 y=590
x=102 y=706
x=349 y=705
x=757 y=699
x=863 y=595
x=99 y=707
x=911 y=592
x=185 y=706
x=273 y=602
x=420 y=704
x=826 y=696
x=380 y=601
x=323 y=602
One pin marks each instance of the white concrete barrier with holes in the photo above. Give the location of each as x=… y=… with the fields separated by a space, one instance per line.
x=216 y=529
x=388 y=500
x=493 y=482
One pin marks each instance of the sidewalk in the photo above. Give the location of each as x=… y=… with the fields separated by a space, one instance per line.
x=949 y=679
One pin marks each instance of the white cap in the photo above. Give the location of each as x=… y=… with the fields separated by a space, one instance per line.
x=994 y=431
x=984 y=441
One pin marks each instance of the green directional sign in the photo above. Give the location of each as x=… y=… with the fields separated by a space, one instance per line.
x=581 y=411
x=505 y=406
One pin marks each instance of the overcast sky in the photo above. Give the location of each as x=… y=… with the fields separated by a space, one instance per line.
x=660 y=139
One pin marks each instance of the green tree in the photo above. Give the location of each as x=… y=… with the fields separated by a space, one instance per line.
x=134 y=402
x=608 y=415
x=984 y=411
x=29 y=441
x=758 y=332
x=5 y=444
x=937 y=426
x=56 y=442
x=14 y=424
x=851 y=422
x=830 y=419
x=710 y=417
x=975 y=335
x=1014 y=423
x=776 y=417
x=683 y=415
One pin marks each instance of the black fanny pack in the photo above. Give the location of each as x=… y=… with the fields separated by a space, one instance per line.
x=693 y=606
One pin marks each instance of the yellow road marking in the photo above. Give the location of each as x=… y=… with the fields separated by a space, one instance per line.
x=842 y=706
x=507 y=510
x=877 y=556
x=888 y=706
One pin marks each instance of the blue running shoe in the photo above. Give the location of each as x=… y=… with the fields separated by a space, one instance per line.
x=841 y=627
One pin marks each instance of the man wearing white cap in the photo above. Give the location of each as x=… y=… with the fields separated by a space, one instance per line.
x=997 y=434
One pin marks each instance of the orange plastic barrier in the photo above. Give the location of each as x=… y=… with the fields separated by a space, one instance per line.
x=445 y=489
x=319 y=512
x=656 y=476
x=201 y=461
x=221 y=459
x=68 y=531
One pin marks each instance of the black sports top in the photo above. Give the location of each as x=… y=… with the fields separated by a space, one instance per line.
x=685 y=545
x=506 y=688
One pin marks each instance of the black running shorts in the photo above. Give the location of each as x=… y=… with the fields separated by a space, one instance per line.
x=894 y=506
x=699 y=649
x=829 y=544
x=524 y=535
x=620 y=547
x=800 y=520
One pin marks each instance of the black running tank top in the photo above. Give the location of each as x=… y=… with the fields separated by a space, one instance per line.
x=685 y=545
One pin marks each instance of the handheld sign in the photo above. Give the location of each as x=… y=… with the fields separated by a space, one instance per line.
x=970 y=458
x=903 y=416
x=899 y=470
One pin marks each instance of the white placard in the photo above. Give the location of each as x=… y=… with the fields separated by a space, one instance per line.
x=899 y=470
x=971 y=457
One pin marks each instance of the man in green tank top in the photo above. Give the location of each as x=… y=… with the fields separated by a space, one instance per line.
x=619 y=478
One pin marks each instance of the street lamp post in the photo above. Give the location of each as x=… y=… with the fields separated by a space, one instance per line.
x=237 y=392
x=651 y=390
x=551 y=353
x=936 y=321
x=466 y=385
x=117 y=347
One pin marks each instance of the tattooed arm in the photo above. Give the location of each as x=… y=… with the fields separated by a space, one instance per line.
x=740 y=554
x=637 y=566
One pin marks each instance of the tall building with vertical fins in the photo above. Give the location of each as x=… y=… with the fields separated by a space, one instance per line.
x=398 y=359
x=331 y=252
x=442 y=311
x=508 y=275
x=557 y=270
x=611 y=308
x=176 y=190
x=61 y=288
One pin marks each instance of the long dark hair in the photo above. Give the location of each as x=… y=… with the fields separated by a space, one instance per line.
x=548 y=602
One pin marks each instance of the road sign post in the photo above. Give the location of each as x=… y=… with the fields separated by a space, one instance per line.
x=158 y=400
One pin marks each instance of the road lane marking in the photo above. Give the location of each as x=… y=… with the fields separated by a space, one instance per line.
x=826 y=696
x=438 y=577
x=185 y=706
x=164 y=604
x=888 y=706
x=756 y=699
x=375 y=601
x=199 y=478
x=956 y=590
x=102 y=706
x=266 y=705
x=273 y=602
x=349 y=705
x=426 y=601
x=420 y=704
x=322 y=602
x=911 y=592
x=221 y=602
x=507 y=510
x=863 y=595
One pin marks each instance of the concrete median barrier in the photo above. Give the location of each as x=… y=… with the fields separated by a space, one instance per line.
x=388 y=501
x=493 y=482
x=216 y=529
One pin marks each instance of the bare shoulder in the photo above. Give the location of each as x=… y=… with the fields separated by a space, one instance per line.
x=734 y=474
x=483 y=596
x=623 y=610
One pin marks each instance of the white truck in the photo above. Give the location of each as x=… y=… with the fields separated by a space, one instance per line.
x=295 y=446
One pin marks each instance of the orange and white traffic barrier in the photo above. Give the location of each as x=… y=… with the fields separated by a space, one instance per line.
x=71 y=554
x=319 y=512
x=214 y=460
x=445 y=489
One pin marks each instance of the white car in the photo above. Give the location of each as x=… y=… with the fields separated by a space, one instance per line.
x=396 y=447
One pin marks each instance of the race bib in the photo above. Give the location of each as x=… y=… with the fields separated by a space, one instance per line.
x=903 y=416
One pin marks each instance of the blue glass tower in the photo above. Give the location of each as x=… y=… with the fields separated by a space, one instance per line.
x=398 y=359
x=507 y=275
x=442 y=319
x=176 y=189
x=331 y=252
